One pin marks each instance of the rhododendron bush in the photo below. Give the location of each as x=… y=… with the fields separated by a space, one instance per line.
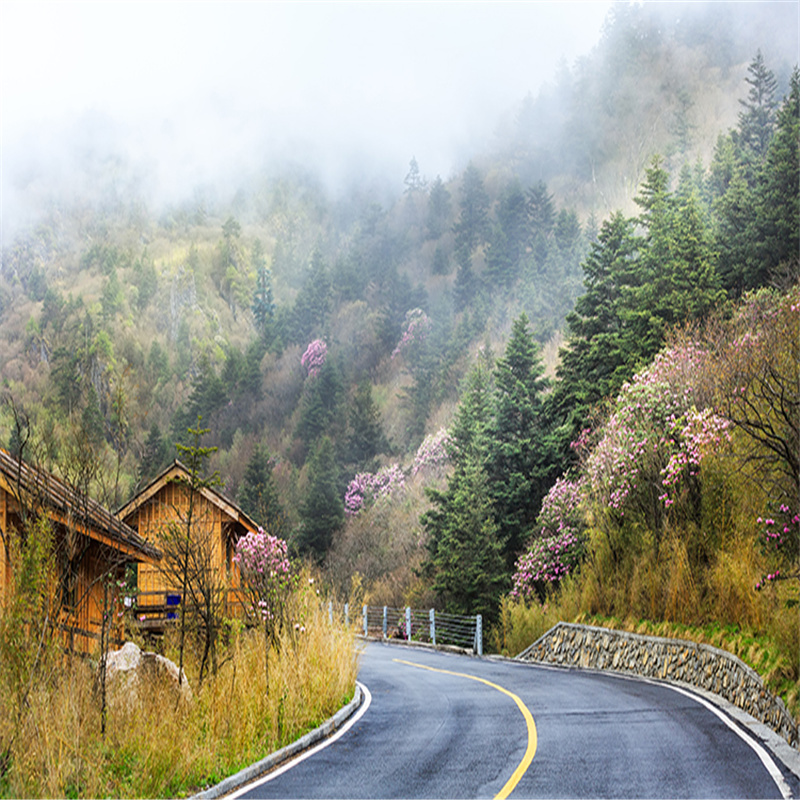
x=314 y=357
x=433 y=454
x=695 y=441
x=416 y=327
x=558 y=543
x=650 y=450
x=366 y=488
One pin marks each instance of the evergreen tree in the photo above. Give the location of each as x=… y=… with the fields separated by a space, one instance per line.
x=510 y=237
x=366 y=439
x=676 y=275
x=517 y=463
x=155 y=456
x=263 y=303
x=414 y=181
x=473 y=222
x=597 y=359
x=757 y=118
x=313 y=302
x=466 y=556
x=441 y=264
x=438 y=209
x=778 y=197
x=473 y=418
x=258 y=495
x=321 y=404
x=322 y=508
x=541 y=214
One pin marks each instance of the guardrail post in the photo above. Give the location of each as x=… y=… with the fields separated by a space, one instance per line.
x=408 y=623
x=330 y=611
x=479 y=635
x=433 y=627
x=385 y=620
x=366 y=620
x=347 y=615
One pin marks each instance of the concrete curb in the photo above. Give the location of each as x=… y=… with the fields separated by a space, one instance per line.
x=254 y=771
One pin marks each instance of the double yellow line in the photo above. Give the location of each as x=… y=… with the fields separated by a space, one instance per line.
x=530 y=752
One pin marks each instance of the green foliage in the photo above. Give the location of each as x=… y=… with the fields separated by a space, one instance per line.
x=258 y=495
x=155 y=455
x=466 y=552
x=321 y=405
x=321 y=510
x=366 y=439
x=263 y=305
x=517 y=463
x=439 y=201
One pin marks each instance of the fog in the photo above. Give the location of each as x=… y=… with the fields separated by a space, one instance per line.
x=158 y=98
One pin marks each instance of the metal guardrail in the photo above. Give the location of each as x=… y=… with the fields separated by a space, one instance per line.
x=416 y=625
x=155 y=610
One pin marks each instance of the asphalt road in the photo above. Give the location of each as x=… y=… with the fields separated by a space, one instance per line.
x=435 y=734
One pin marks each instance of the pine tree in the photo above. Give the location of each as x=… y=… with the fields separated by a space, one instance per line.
x=258 y=495
x=517 y=461
x=263 y=302
x=466 y=554
x=677 y=278
x=438 y=209
x=473 y=222
x=155 y=455
x=778 y=198
x=414 y=181
x=322 y=508
x=510 y=237
x=757 y=119
x=366 y=439
x=597 y=359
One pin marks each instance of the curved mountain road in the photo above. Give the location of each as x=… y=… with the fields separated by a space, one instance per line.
x=441 y=725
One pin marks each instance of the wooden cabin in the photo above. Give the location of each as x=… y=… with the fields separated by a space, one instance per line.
x=93 y=550
x=160 y=513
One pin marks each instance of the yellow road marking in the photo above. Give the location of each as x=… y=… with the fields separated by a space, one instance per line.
x=532 y=738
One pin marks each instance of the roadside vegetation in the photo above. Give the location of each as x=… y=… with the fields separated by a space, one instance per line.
x=560 y=384
x=50 y=713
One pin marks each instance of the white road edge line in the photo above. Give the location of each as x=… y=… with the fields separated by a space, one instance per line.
x=763 y=755
x=310 y=752
x=760 y=751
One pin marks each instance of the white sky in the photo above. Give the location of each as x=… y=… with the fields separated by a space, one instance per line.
x=195 y=87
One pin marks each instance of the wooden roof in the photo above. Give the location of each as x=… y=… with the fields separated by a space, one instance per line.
x=179 y=472
x=43 y=491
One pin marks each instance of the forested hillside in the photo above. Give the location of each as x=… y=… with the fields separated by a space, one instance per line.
x=397 y=383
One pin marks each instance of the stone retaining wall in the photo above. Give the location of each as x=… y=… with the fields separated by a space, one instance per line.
x=699 y=665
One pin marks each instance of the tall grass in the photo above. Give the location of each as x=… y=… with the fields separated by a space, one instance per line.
x=159 y=750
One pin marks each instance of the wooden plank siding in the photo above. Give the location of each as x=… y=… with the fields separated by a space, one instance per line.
x=91 y=547
x=216 y=520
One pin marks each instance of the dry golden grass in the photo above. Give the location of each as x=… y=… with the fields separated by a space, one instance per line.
x=164 y=751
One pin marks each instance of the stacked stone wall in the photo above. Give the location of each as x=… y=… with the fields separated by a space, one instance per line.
x=699 y=665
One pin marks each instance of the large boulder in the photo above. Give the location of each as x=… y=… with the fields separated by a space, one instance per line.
x=134 y=676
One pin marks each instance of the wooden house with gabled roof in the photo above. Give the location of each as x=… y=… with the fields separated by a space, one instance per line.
x=160 y=510
x=91 y=547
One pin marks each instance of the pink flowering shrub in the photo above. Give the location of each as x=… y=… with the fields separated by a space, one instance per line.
x=780 y=534
x=367 y=488
x=415 y=330
x=433 y=454
x=266 y=574
x=697 y=434
x=655 y=439
x=558 y=543
x=314 y=357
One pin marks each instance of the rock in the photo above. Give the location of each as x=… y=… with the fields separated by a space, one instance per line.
x=134 y=676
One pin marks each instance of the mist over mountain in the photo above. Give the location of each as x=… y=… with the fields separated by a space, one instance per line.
x=179 y=96
x=337 y=249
